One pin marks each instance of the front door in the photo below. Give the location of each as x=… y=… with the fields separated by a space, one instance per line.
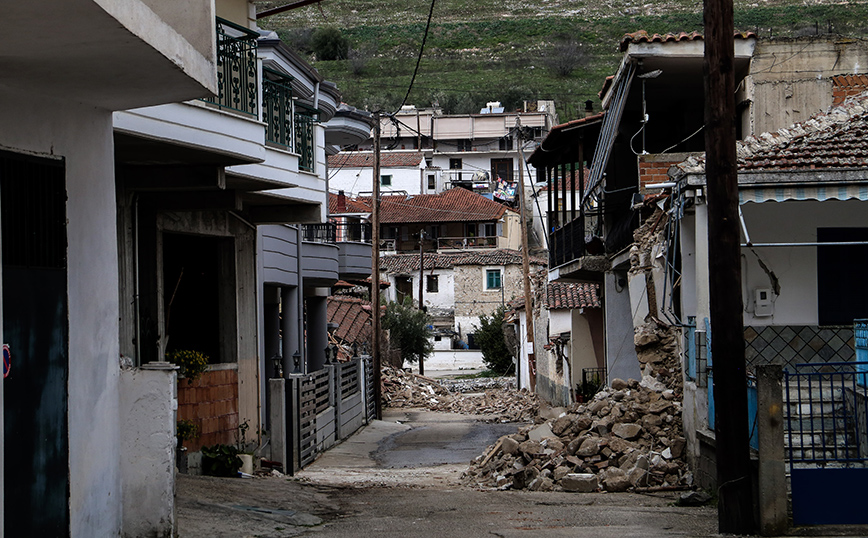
x=35 y=325
x=501 y=168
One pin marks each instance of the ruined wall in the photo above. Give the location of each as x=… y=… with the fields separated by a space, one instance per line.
x=472 y=299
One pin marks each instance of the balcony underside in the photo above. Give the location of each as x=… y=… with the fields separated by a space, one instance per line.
x=583 y=269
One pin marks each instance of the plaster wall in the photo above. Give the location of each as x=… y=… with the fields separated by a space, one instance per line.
x=193 y=20
x=443 y=300
x=586 y=337
x=83 y=137
x=621 y=359
x=355 y=180
x=454 y=359
x=147 y=405
x=522 y=359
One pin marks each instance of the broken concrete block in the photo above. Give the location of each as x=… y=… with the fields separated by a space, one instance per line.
x=589 y=447
x=562 y=424
x=530 y=448
x=561 y=472
x=521 y=479
x=627 y=431
x=509 y=446
x=616 y=480
x=619 y=384
x=580 y=482
x=540 y=432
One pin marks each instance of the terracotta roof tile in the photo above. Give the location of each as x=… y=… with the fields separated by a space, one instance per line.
x=834 y=140
x=643 y=36
x=365 y=159
x=409 y=263
x=572 y=295
x=454 y=205
x=360 y=205
x=353 y=318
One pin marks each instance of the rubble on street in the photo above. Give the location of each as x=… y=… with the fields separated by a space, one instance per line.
x=403 y=389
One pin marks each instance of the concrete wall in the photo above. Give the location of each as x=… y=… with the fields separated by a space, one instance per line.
x=621 y=359
x=279 y=254
x=83 y=137
x=354 y=259
x=147 y=405
x=454 y=359
x=355 y=180
x=586 y=342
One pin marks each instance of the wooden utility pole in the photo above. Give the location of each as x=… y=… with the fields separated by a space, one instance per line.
x=525 y=262
x=375 y=271
x=421 y=277
x=735 y=490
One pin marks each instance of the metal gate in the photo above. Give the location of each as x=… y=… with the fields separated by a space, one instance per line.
x=827 y=440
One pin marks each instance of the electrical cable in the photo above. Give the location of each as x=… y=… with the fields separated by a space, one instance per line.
x=419 y=58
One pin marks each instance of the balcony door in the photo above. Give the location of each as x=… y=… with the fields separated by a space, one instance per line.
x=501 y=168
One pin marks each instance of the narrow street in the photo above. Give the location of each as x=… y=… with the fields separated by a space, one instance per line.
x=400 y=477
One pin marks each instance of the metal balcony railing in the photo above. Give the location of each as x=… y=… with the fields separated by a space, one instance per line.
x=277 y=109
x=319 y=233
x=305 y=116
x=447 y=243
x=237 y=78
x=353 y=231
x=567 y=243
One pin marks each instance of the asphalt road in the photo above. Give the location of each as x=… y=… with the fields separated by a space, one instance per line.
x=399 y=478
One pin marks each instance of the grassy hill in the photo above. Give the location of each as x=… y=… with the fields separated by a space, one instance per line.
x=489 y=50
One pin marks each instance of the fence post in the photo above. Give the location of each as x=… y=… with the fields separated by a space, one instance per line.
x=337 y=381
x=294 y=425
x=278 y=419
x=772 y=465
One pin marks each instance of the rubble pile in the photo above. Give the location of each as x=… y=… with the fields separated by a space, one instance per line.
x=628 y=436
x=478 y=384
x=405 y=389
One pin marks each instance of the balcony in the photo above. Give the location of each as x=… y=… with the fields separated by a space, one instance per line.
x=237 y=77
x=352 y=241
x=288 y=123
x=462 y=243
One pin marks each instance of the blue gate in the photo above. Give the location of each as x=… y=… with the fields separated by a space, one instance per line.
x=827 y=439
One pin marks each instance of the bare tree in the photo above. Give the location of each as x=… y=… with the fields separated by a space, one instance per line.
x=565 y=55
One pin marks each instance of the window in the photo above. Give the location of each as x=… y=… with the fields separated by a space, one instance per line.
x=489 y=229
x=465 y=145
x=432 y=183
x=842 y=294
x=455 y=164
x=386 y=181
x=492 y=279
x=431 y=284
x=506 y=144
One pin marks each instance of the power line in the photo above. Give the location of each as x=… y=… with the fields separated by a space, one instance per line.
x=419 y=58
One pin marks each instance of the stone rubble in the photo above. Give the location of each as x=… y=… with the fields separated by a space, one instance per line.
x=401 y=389
x=626 y=437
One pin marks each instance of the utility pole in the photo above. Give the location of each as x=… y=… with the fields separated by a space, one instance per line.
x=525 y=262
x=375 y=270
x=735 y=490
x=421 y=277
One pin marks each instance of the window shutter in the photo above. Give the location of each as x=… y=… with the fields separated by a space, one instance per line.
x=500 y=229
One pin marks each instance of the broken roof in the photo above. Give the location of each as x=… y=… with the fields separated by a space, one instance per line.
x=351 y=206
x=834 y=140
x=572 y=295
x=365 y=159
x=409 y=263
x=453 y=205
x=352 y=316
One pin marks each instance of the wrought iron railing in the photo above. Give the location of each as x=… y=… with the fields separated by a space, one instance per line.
x=305 y=116
x=567 y=243
x=593 y=379
x=277 y=109
x=354 y=231
x=319 y=233
x=447 y=243
x=237 y=87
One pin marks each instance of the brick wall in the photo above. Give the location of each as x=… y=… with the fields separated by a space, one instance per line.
x=211 y=402
x=844 y=86
x=654 y=168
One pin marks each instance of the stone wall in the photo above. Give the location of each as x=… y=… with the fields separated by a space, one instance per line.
x=471 y=297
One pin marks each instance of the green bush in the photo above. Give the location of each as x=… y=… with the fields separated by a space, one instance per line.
x=410 y=330
x=495 y=353
x=329 y=44
x=186 y=430
x=192 y=363
x=220 y=460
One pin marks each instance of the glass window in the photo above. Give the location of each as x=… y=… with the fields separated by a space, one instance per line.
x=492 y=279
x=432 y=184
x=386 y=180
x=432 y=284
x=455 y=164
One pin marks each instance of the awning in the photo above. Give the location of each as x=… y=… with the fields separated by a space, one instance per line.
x=817 y=193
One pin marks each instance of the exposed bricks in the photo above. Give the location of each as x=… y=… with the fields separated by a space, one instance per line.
x=844 y=86
x=655 y=168
x=210 y=402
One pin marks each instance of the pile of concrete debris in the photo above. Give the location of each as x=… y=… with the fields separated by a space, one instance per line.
x=628 y=436
x=478 y=384
x=405 y=389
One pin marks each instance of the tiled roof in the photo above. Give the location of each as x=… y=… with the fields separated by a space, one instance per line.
x=572 y=295
x=454 y=205
x=352 y=205
x=409 y=263
x=834 y=140
x=643 y=36
x=353 y=318
x=365 y=159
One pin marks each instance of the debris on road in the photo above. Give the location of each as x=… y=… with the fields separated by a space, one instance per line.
x=403 y=389
x=629 y=436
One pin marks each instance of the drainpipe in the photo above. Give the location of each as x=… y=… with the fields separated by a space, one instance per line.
x=136 y=307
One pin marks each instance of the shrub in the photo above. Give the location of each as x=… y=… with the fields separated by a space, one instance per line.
x=220 y=460
x=192 y=363
x=329 y=44
x=495 y=353
x=186 y=430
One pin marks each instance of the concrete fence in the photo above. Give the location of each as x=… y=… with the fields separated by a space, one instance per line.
x=311 y=413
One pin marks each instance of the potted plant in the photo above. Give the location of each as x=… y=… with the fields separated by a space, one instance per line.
x=191 y=363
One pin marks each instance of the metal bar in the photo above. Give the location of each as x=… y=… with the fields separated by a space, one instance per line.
x=829 y=244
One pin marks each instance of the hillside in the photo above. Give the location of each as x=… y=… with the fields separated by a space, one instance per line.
x=490 y=50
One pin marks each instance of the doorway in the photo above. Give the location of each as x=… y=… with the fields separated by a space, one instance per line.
x=35 y=326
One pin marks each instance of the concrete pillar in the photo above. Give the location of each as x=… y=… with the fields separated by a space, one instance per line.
x=772 y=465
x=277 y=419
x=290 y=309
x=317 y=335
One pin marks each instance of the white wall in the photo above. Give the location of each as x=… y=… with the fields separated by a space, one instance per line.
x=454 y=359
x=355 y=180
x=83 y=136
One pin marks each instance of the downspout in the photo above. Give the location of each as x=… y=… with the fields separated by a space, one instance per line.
x=136 y=307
